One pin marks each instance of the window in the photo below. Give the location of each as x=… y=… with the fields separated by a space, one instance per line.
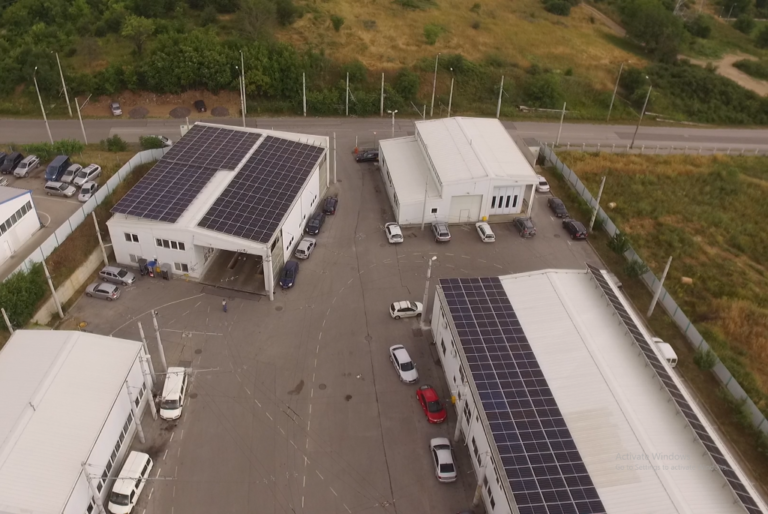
x=131 y=238
x=99 y=486
x=274 y=244
x=476 y=451
x=514 y=202
x=442 y=345
x=180 y=266
x=506 y=206
x=109 y=466
x=389 y=177
x=171 y=245
x=493 y=202
x=434 y=210
x=137 y=401
x=489 y=493
x=29 y=206
x=467 y=413
x=461 y=373
x=133 y=257
x=90 y=508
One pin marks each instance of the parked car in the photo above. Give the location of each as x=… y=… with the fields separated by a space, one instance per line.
x=70 y=173
x=442 y=457
x=174 y=391
x=87 y=174
x=87 y=191
x=405 y=309
x=557 y=207
x=59 y=189
x=430 y=404
x=485 y=232
x=542 y=186
x=128 y=485
x=200 y=106
x=26 y=166
x=3 y=155
x=305 y=248
x=441 y=232
x=165 y=140
x=394 y=234
x=329 y=207
x=524 y=227
x=288 y=275
x=103 y=290
x=314 y=224
x=56 y=168
x=117 y=275
x=115 y=108
x=10 y=163
x=367 y=156
x=575 y=228
x=406 y=369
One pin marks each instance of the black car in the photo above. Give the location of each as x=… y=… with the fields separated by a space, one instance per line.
x=558 y=207
x=199 y=105
x=525 y=227
x=3 y=155
x=575 y=228
x=367 y=156
x=314 y=224
x=10 y=163
x=329 y=207
x=288 y=276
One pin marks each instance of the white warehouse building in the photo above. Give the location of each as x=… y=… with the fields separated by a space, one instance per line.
x=457 y=170
x=18 y=220
x=66 y=398
x=567 y=406
x=221 y=196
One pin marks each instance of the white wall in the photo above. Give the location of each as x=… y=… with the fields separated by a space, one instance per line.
x=20 y=231
x=146 y=247
x=302 y=210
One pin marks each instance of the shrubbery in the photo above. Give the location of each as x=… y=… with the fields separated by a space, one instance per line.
x=21 y=293
x=745 y=23
x=559 y=7
x=150 y=142
x=115 y=144
x=757 y=69
x=47 y=151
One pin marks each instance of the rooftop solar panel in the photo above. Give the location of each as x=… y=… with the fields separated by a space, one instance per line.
x=545 y=470
x=257 y=199
x=702 y=434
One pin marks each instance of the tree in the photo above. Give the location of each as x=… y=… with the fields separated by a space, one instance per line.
x=138 y=30
x=543 y=91
x=649 y=23
x=761 y=41
x=558 y=7
x=407 y=84
x=745 y=24
x=256 y=17
x=700 y=26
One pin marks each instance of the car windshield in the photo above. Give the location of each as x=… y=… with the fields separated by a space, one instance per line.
x=289 y=274
x=412 y=305
x=118 y=499
x=169 y=404
x=22 y=165
x=82 y=174
x=447 y=468
x=543 y=183
x=407 y=366
x=63 y=187
x=434 y=406
x=122 y=273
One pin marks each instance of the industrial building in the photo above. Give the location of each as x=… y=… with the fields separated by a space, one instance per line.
x=18 y=220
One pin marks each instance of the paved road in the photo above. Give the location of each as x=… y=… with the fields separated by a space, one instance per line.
x=370 y=129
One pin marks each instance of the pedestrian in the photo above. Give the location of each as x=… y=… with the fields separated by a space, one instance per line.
x=224 y=305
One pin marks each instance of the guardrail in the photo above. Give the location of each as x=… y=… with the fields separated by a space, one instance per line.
x=657 y=149
x=665 y=299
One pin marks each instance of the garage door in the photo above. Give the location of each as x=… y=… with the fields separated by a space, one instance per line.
x=506 y=200
x=465 y=209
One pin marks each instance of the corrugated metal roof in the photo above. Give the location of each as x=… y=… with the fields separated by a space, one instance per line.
x=623 y=425
x=408 y=169
x=56 y=390
x=473 y=148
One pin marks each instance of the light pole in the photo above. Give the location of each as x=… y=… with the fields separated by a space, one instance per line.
x=645 y=104
x=242 y=70
x=615 y=88
x=434 y=85
x=242 y=99
x=450 y=97
x=63 y=85
x=34 y=78
x=80 y=117
x=424 y=326
x=501 y=92
x=393 y=120
x=560 y=130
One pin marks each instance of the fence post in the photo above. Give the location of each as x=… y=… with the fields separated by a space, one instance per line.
x=756 y=150
x=742 y=151
x=728 y=152
x=627 y=148
x=568 y=146
x=641 y=149
x=685 y=151
x=657 y=150
x=583 y=146
x=598 y=147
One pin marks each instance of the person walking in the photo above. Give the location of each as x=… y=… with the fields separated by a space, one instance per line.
x=224 y=305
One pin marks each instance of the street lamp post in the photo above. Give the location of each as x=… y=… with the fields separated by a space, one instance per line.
x=34 y=78
x=242 y=98
x=434 y=85
x=642 y=113
x=393 y=120
x=615 y=89
x=242 y=70
x=63 y=84
x=424 y=325
x=450 y=97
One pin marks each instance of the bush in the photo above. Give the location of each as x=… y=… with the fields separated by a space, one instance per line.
x=652 y=25
x=21 y=293
x=47 y=151
x=358 y=73
x=705 y=359
x=476 y=25
x=558 y=7
x=619 y=243
x=432 y=32
x=745 y=24
x=635 y=268
x=114 y=144
x=700 y=26
x=761 y=41
x=337 y=22
x=287 y=13
x=407 y=84
x=475 y=8
x=150 y=142
x=543 y=91
x=209 y=16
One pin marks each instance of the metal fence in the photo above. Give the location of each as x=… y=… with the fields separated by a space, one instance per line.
x=657 y=149
x=74 y=221
x=665 y=299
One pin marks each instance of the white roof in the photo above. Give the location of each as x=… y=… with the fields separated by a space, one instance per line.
x=56 y=390
x=9 y=193
x=613 y=406
x=473 y=148
x=408 y=168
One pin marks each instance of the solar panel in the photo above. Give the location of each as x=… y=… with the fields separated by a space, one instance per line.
x=545 y=470
x=166 y=191
x=702 y=434
x=257 y=199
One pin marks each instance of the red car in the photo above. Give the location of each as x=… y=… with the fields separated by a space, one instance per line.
x=430 y=402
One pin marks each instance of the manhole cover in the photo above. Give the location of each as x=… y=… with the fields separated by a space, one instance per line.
x=279 y=308
x=322 y=386
x=368 y=338
x=193 y=395
x=198 y=351
x=348 y=397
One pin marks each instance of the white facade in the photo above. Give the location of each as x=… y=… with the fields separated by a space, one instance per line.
x=18 y=220
x=458 y=170
x=64 y=401
x=639 y=454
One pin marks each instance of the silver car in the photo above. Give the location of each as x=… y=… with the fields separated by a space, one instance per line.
x=115 y=108
x=441 y=232
x=117 y=275
x=305 y=248
x=103 y=290
x=27 y=166
x=59 y=189
x=70 y=174
x=87 y=191
x=87 y=174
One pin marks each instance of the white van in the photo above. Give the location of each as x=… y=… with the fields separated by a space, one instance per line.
x=174 y=391
x=129 y=483
x=666 y=351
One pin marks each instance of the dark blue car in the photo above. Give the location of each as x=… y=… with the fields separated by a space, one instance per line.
x=288 y=276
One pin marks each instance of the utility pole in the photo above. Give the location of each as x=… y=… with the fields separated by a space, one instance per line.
x=80 y=117
x=304 y=91
x=424 y=325
x=597 y=206
x=148 y=384
x=382 y=95
x=424 y=211
x=393 y=121
x=730 y=12
x=347 y=104
x=560 y=130
x=146 y=352
x=434 y=85
x=53 y=290
x=63 y=84
x=658 y=291
x=135 y=413
x=450 y=97
x=615 y=88
x=334 y=157
x=159 y=342
x=501 y=92
x=101 y=243
x=7 y=321
x=645 y=104
x=242 y=68
x=94 y=492
x=45 y=118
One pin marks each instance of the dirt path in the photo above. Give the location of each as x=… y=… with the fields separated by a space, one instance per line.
x=726 y=69
x=615 y=27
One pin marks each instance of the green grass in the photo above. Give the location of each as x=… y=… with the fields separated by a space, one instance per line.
x=757 y=69
x=724 y=39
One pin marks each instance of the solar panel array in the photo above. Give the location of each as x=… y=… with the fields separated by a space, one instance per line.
x=257 y=199
x=701 y=432
x=545 y=470
x=166 y=191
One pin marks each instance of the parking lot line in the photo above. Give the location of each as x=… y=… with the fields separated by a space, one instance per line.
x=165 y=454
x=257 y=402
x=318 y=474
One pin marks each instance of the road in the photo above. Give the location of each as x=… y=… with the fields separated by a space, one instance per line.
x=369 y=130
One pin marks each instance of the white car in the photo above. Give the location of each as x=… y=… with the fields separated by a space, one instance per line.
x=405 y=309
x=115 y=108
x=165 y=140
x=305 y=248
x=442 y=458
x=406 y=369
x=87 y=174
x=542 y=186
x=70 y=174
x=485 y=232
x=26 y=166
x=394 y=234
x=87 y=191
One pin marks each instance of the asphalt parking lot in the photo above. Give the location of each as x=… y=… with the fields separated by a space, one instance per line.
x=293 y=404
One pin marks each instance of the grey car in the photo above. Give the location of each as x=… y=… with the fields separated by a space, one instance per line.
x=441 y=232
x=525 y=227
x=305 y=247
x=70 y=174
x=117 y=275
x=103 y=290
